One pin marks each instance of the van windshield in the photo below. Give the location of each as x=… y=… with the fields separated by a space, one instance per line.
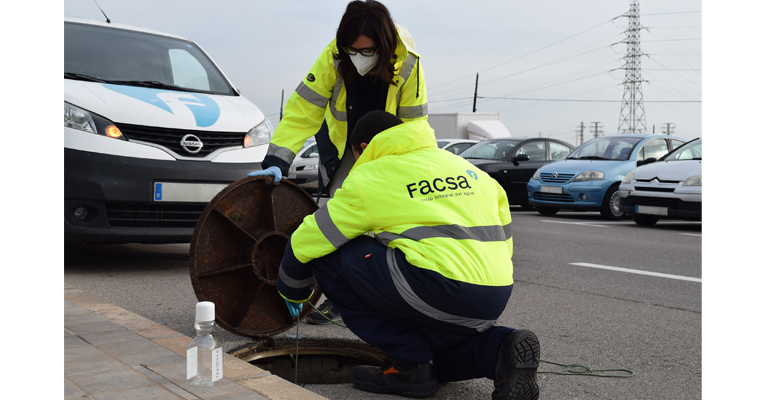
x=125 y=57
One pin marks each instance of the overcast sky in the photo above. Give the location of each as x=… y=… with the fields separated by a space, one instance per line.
x=554 y=63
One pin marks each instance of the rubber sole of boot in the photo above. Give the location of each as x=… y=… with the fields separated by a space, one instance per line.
x=526 y=359
x=403 y=389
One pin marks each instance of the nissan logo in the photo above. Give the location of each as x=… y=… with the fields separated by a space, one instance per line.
x=555 y=175
x=191 y=144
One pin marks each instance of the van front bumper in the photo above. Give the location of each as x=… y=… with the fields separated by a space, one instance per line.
x=112 y=199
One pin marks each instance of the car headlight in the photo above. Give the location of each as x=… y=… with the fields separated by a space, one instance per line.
x=82 y=120
x=628 y=178
x=694 y=180
x=536 y=175
x=259 y=134
x=589 y=176
x=311 y=167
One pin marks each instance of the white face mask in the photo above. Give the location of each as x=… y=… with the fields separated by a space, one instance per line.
x=364 y=64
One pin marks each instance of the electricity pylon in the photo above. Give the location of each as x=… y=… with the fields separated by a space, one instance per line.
x=632 y=118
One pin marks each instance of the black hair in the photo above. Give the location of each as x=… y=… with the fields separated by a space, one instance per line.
x=369 y=126
x=370 y=18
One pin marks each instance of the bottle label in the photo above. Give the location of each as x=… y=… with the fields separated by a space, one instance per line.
x=217 y=364
x=192 y=362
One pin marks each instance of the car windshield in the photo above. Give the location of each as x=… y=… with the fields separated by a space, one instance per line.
x=441 y=144
x=689 y=151
x=119 y=56
x=606 y=148
x=491 y=149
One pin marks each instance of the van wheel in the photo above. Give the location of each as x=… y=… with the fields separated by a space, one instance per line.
x=644 y=220
x=547 y=211
x=611 y=205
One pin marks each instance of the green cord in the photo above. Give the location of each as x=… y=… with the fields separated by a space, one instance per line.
x=578 y=369
x=572 y=369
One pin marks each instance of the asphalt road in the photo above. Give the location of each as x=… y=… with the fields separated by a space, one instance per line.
x=597 y=293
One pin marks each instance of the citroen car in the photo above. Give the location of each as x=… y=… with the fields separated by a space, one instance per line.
x=511 y=162
x=668 y=188
x=153 y=130
x=589 y=178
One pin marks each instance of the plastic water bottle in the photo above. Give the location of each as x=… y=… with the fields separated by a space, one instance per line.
x=205 y=361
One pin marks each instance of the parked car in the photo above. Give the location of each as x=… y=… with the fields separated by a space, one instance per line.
x=589 y=178
x=456 y=146
x=668 y=188
x=513 y=161
x=153 y=130
x=304 y=170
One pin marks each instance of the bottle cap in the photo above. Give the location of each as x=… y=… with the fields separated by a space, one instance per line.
x=204 y=311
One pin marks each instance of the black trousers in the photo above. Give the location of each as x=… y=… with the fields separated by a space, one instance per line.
x=356 y=278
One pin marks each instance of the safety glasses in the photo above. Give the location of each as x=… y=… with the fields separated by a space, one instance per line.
x=367 y=52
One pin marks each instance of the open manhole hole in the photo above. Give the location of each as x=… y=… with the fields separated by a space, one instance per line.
x=319 y=361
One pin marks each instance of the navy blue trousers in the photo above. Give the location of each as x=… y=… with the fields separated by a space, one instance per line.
x=362 y=289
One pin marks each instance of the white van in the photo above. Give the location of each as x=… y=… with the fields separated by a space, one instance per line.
x=153 y=130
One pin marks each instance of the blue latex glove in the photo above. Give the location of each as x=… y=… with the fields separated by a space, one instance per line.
x=294 y=308
x=275 y=171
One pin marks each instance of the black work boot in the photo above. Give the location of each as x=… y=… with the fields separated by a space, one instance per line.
x=516 y=367
x=409 y=381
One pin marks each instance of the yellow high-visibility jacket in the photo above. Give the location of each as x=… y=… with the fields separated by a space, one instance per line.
x=322 y=95
x=441 y=211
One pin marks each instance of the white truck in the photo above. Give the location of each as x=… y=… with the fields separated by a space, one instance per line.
x=153 y=130
x=473 y=126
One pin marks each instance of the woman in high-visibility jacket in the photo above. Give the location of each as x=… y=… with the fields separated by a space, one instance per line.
x=428 y=289
x=371 y=65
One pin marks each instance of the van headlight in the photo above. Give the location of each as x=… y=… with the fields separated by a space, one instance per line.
x=258 y=135
x=589 y=176
x=82 y=120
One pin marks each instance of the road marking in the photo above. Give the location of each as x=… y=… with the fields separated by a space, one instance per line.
x=640 y=272
x=691 y=234
x=576 y=223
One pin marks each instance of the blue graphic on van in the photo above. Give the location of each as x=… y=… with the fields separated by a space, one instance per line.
x=472 y=174
x=205 y=110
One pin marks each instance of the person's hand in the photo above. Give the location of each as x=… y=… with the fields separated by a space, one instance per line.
x=294 y=308
x=275 y=171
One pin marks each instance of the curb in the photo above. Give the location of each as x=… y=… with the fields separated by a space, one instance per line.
x=235 y=370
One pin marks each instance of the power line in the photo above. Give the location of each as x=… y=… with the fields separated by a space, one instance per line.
x=586 y=100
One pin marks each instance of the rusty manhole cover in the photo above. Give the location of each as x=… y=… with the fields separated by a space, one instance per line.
x=236 y=250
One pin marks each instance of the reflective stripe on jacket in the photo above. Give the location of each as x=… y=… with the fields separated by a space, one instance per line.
x=442 y=212
x=322 y=95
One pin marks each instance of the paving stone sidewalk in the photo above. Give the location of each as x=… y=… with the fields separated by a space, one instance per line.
x=112 y=354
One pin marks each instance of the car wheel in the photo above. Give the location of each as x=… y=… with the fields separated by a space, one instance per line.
x=611 y=205
x=547 y=211
x=644 y=220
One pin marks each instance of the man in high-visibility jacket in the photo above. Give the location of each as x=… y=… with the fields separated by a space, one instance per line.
x=430 y=285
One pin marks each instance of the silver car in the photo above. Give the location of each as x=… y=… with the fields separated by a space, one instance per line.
x=671 y=187
x=304 y=170
x=455 y=146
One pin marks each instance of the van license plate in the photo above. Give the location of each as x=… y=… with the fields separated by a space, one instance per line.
x=186 y=192
x=651 y=210
x=551 y=189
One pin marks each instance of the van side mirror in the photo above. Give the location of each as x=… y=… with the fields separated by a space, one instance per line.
x=519 y=158
x=647 y=161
